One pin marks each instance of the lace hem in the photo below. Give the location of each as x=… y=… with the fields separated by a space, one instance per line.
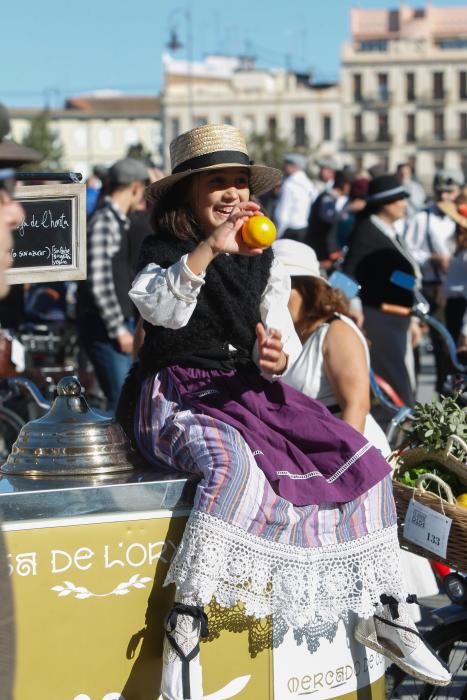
x=307 y=589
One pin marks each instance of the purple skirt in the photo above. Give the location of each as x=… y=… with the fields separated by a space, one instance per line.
x=307 y=455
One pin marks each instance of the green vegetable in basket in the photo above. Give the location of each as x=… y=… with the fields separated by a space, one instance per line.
x=435 y=422
x=409 y=477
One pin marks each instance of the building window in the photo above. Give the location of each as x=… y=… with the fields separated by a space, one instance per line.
x=130 y=136
x=299 y=132
x=464 y=164
x=383 y=86
x=174 y=127
x=412 y=161
x=357 y=87
x=373 y=45
x=200 y=121
x=439 y=162
x=452 y=43
x=383 y=127
x=80 y=138
x=410 y=128
x=463 y=85
x=357 y=127
x=226 y=119
x=438 y=85
x=438 y=126
x=463 y=126
x=272 y=126
x=327 y=128
x=248 y=124
x=410 y=86
x=358 y=162
x=105 y=138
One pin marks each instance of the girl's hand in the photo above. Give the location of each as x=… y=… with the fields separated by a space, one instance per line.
x=272 y=358
x=227 y=238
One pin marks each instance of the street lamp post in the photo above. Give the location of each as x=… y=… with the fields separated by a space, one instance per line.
x=174 y=44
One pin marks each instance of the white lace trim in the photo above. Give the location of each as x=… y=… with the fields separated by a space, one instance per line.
x=307 y=588
x=337 y=474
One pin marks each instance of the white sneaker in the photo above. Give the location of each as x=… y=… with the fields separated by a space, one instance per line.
x=394 y=634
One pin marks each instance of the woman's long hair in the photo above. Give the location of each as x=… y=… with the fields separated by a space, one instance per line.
x=320 y=303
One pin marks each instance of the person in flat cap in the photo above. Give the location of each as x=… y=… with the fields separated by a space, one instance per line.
x=431 y=238
x=296 y=195
x=12 y=154
x=375 y=251
x=105 y=314
x=268 y=459
x=327 y=167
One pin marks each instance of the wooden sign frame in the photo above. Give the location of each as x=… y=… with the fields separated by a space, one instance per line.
x=76 y=194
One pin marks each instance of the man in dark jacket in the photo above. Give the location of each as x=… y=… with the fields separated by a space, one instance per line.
x=104 y=310
x=325 y=214
x=375 y=252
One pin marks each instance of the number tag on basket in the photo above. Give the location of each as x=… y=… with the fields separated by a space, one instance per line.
x=427 y=528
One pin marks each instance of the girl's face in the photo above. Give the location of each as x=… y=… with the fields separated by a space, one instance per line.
x=215 y=193
x=295 y=305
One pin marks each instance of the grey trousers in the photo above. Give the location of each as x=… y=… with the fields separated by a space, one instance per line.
x=391 y=352
x=7 y=629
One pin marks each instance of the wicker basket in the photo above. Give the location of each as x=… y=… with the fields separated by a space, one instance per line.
x=456 y=555
x=417 y=455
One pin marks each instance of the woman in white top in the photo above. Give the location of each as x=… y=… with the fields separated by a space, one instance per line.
x=334 y=365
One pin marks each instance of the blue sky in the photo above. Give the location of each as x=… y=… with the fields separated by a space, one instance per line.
x=53 y=49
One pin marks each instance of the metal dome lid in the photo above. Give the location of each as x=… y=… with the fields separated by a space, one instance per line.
x=69 y=439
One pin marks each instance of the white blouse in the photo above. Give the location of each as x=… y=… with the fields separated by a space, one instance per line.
x=167 y=297
x=308 y=375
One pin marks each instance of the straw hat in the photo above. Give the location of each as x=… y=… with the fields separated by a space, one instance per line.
x=210 y=147
x=451 y=210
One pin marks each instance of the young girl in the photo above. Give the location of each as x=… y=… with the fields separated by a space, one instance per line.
x=293 y=514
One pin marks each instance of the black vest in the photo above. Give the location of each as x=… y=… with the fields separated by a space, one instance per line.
x=226 y=311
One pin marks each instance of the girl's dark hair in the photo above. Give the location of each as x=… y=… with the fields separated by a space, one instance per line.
x=171 y=214
x=320 y=301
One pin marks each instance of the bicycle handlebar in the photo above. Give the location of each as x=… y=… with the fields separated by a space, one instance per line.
x=420 y=311
x=29 y=389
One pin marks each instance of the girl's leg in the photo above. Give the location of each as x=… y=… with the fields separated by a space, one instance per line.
x=185 y=625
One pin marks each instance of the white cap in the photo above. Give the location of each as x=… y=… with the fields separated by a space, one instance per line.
x=298 y=258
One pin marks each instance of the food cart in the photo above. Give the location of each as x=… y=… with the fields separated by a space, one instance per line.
x=90 y=535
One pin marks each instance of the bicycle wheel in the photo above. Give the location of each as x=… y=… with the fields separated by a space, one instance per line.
x=10 y=425
x=450 y=642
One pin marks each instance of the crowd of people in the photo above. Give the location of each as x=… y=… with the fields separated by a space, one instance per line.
x=245 y=368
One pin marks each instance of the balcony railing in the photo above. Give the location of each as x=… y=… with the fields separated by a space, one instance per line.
x=375 y=100
x=367 y=142
x=429 y=100
x=442 y=140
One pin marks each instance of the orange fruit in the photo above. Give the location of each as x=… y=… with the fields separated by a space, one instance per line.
x=258 y=231
x=462 y=500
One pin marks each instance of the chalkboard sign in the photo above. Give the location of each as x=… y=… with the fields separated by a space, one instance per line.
x=50 y=243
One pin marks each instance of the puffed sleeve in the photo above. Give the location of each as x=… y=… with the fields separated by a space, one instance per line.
x=166 y=296
x=275 y=313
